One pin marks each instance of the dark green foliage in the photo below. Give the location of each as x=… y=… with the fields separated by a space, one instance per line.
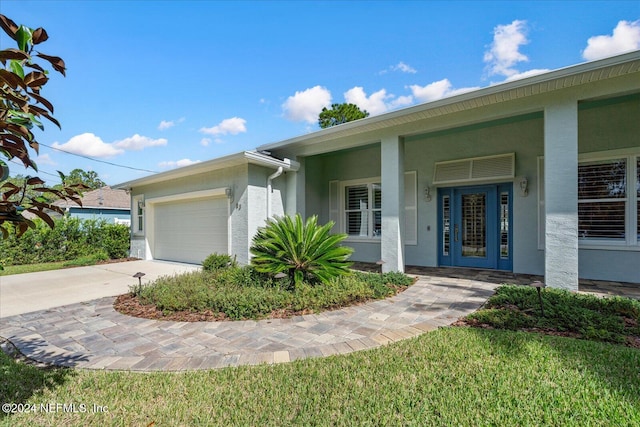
x=304 y=251
x=71 y=238
x=244 y=293
x=339 y=114
x=601 y=319
x=217 y=261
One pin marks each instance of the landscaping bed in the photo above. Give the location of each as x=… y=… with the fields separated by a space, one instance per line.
x=240 y=293
x=517 y=308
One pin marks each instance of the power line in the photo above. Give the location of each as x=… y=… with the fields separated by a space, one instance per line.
x=39 y=171
x=98 y=160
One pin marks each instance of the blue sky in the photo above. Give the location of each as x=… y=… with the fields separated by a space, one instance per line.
x=160 y=84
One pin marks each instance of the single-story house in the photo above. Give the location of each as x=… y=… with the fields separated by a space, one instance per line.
x=539 y=176
x=111 y=204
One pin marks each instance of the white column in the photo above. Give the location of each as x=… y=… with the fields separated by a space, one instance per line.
x=561 y=194
x=300 y=203
x=392 y=239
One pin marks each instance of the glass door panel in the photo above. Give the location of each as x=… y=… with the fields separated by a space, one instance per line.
x=474 y=225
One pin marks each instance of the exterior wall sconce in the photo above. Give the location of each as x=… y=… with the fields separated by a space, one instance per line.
x=524 y=186
x=140 y=204
x=427 y=193
x=229 y=193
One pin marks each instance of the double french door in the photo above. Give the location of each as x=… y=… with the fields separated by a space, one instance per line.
x=475 y=226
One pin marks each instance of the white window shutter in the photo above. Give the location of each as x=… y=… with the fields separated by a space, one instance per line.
x=410 y=208
x=334 y=205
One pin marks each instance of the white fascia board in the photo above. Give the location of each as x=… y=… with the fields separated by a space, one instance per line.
x=236 y=159
x=602 y=66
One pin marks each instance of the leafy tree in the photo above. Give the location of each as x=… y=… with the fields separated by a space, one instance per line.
x=304 y=251
x=89 y=179
x=21 y=109
x=340 y=113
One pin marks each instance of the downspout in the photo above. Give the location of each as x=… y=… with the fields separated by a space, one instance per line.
x=274 y=175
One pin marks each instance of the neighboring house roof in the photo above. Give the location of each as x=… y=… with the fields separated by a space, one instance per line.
x=102 y=198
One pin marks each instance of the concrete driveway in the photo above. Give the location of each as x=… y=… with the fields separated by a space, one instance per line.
x=24 y=293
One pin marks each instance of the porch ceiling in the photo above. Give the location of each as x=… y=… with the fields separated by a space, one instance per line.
x=590 y=72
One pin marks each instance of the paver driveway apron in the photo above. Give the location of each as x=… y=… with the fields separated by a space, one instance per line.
x=93 y=335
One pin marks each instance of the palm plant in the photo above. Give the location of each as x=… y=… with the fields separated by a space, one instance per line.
x=304 y=251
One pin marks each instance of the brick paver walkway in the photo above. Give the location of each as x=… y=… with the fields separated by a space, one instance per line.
x=93 y=335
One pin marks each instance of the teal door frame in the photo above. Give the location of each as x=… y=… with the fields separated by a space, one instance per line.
x=481 y=236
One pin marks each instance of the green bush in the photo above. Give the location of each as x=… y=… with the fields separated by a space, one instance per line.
x=244 y=293
x=71 y=238
x=594 y=318
x=217 y=261
x=305 y=251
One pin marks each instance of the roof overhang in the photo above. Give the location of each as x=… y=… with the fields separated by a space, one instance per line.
x=556 y=80
x=237 y=159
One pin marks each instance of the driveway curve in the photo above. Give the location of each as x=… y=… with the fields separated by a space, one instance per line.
x=92 y=335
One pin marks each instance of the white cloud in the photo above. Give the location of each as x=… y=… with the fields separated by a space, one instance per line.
x=374 y=104
x=378 y=102
x=164 y=124
x=45 y=159
x=88 y=144
x=232 y=126
x=205 y=142
x=625 y=37
x=504 y=51
x=526 y=74
x=404 y=68
x=177 y=164
x=437 y=90
x=138 y=142
x=306 y=106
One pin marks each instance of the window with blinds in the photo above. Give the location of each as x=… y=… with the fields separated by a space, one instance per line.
x=608 y=200
x=602 y=199
x=363 y=210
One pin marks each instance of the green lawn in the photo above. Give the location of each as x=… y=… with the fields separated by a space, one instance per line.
x=31 y=268
x=452 y=376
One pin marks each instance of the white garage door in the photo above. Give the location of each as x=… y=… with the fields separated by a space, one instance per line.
x=190 y=230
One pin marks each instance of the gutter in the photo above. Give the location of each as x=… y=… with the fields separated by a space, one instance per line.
x=273 y=176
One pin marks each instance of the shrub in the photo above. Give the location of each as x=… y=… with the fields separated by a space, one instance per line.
x=304 y=251
x=244 y=293
x=69 y=239
x=217 y=261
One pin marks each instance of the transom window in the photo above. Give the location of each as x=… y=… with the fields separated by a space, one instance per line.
x=363 y=209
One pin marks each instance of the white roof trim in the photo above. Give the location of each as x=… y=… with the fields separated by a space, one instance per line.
x=244 y=157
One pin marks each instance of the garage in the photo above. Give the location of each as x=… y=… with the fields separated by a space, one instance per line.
x=190 y=229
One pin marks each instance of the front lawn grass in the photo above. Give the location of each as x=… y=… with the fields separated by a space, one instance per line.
x=239 y=293
x=611 y=319
x=451 y=376
x=31 y=268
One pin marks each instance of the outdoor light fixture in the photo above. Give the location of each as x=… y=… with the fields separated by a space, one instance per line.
x=138 y=276
x=539 y=285
x=141 y=204
x=427 y=193
x=524 y=186
x=229 y=193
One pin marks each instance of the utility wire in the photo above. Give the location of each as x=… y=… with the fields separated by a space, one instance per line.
x=39 y=171
x=97 y=160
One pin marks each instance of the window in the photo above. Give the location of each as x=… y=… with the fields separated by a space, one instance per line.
x=608 y=199
x=356 y=208
x=138 y=214
x=602 y=199
x=363 y=209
